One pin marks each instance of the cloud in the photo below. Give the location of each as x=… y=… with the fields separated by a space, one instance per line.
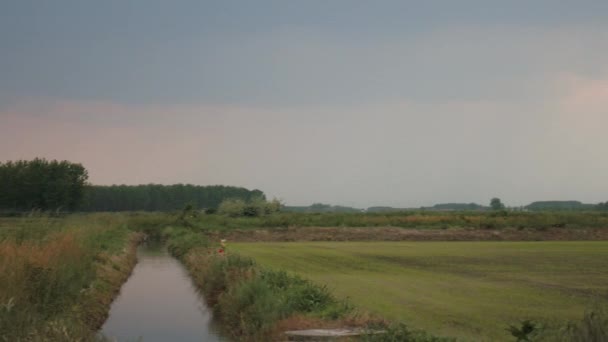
x=584 y=94
x=401 y=153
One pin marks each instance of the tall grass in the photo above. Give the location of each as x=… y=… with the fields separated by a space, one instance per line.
x=593 y=327
x=48 y=268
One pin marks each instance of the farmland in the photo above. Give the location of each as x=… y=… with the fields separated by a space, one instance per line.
x=470 y=290
x=61 y=273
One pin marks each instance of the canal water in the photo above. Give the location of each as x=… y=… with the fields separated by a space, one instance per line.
x=159 y=303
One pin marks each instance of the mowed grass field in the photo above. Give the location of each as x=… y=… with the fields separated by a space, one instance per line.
x=469 y=290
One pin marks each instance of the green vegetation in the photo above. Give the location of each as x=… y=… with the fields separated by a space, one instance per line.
x=59 y=275
x=62 y=186
x=321 y=208
x=249 y=300
x=411 y=219
x=470 y=290
x=458 y=206
x=41 y=184
x=155 y=197
x=593 y=327
x=496 y=204
x=602 y=206
x=559 y=205
x=384 y=209
x=254 y=207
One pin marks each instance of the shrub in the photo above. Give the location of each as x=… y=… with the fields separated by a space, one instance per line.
x=252 y=208
x=221 y=272
x=181 y=240
x=298 y=294
x=232 y=207
x=251 y=308
x=524 y=331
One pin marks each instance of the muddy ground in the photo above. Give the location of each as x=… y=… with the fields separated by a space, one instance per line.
x=406 y=234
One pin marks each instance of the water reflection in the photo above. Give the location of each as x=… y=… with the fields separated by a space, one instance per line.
x=159 y=303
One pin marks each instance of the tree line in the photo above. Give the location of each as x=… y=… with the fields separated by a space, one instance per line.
x=41 y=184
x=156 y=197
x=54 y=185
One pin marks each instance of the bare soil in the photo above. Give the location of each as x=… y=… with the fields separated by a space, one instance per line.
x=302 y=234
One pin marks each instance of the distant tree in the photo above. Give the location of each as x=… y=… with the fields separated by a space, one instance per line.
x=603 y=206
x=558 y=206
x=457 y=206
x=496 y=204
x=320 y=207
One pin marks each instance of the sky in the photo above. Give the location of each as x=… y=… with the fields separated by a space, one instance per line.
x=350 y=102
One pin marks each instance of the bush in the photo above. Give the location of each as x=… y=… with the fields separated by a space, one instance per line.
x=299 y=295
x=222 y=272
x=251 y=308
x=524 y=331
x=253 y=208
x=232 y=207
x=181 y=240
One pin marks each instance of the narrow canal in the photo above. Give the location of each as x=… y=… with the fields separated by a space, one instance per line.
x=159 y=303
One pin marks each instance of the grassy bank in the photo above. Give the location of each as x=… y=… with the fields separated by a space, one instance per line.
x=471 y=290
x=259 y=304
x=249 y=301
x=60 y=275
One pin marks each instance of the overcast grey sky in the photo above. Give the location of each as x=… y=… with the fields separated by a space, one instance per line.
x=401 y=103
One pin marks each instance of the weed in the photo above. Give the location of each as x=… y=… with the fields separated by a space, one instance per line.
x=593 y=327
x=523 y=332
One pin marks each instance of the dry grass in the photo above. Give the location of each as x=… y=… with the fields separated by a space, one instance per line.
x=59 y=275
x=26 y=264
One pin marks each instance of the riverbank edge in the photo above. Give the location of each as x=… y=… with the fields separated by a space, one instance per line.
x=197 y=262
x=112 y=272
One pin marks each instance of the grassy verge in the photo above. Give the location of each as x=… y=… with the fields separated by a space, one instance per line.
x=59 y=276
x=470 y=290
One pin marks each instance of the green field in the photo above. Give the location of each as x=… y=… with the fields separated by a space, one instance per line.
x=470 y=290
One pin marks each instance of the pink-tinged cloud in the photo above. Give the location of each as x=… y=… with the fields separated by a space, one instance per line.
x=408 y=153
x=586 y=94
x=118 y=144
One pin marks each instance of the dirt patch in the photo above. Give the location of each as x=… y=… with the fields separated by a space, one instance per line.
x=303 y=322
x=406 y=234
